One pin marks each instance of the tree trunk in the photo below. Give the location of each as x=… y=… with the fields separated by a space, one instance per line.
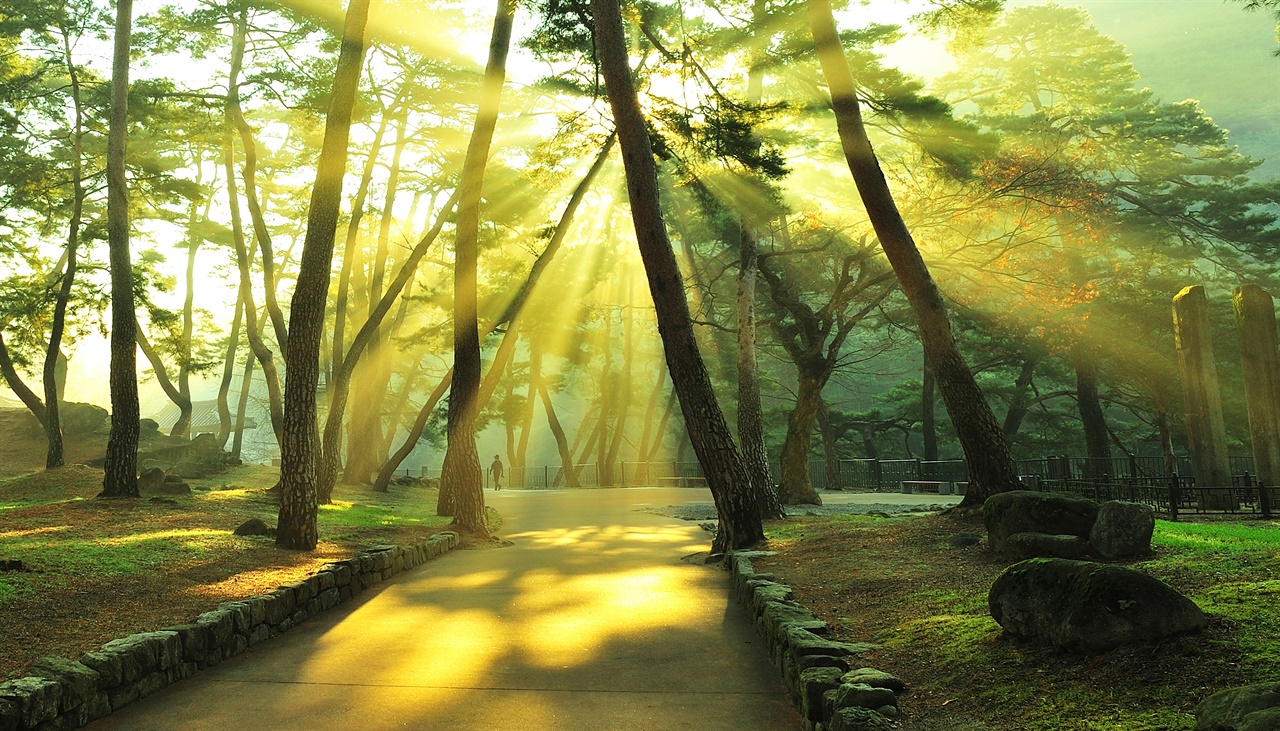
x=383 y=480
x=796 y=488
x=265 y=357
x=120 y=478
x=991 y=468
x=655 y=448
x=20 y=389
x=1097 y=441
x=604 y=475
x=750 y=413
x=53 y=394
x=1020 y=404
x=1166 y=442
x=928 y=413
x=530 y=402
x=242 y=405
x=162 y=376
x=461 y=484
x=339 y=386
x=228 y=372
x=736 y=501
x=567 y=468
x=182 y=427
x=300 y=450
x=651 y=410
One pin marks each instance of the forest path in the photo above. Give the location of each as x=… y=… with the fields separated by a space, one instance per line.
x=590 y=620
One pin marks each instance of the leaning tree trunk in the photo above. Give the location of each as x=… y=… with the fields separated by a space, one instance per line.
x=120 y=477
x=228 y=373
x=383 y=480
x=1097 y=440
x=461 y=483
x=52 y=394
x=562 y=443
x=928 y=413
x=300 y=450
x=20 y=389
x=830 y=447
x=991 y=468
x=736 y=501
x=1020 y=403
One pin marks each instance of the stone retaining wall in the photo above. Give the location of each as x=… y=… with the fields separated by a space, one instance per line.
x=67 y=694
x=826 y=681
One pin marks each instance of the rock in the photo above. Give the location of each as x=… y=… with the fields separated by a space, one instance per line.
x=1227 y=709
x=35 y=700
x=1267 y=720
x=203 y=457
x=175 y=488
x=875 y=679
x=964 y=540
x=79 y=682
x=1088 y=607
x=862 y=695
x=147 y=426
x=1043 y=545
x=859 y=719
x=79 y=419
x=254 y=527
x=11 y=564
x=1024 y=511
x=151 y=480
x=1122 y=529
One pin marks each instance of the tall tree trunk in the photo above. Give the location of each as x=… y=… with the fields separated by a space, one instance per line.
x=736 y=502
x=383 y=480
x=1020 y=404
x=461 y=484
x=796 y=488
x=228 y=373
x=1097 y=440
x=991 y=468
x=567 y=467
x=300 y=450
x=182 y=427
x=655 y=448
x=120 y=478
x=265 y=357
x=52 y=394
x=628 y=370
x=1166 y=442
x=651 y=410
x=928 y=412
x=750 y=412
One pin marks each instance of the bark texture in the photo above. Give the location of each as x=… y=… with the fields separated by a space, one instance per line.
x=120 y=478
x=991 y=468
x=300 y=448
x=736 y=503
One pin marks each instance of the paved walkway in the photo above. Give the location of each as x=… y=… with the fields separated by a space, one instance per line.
x=590 y=621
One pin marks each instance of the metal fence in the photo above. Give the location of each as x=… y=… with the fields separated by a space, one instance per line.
x=1174 y=496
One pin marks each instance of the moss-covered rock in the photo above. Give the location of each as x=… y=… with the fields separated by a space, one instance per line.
x=1024 y=511
x=1228 y=709
x=1088 y=607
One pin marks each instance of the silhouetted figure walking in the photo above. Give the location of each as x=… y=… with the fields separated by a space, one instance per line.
x=495 y=469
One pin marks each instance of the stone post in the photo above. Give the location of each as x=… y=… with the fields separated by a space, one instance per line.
x=1206 y=433
x=1256 y=319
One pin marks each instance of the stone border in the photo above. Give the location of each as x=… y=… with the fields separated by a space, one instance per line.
x=831 y=692
x=67 y=694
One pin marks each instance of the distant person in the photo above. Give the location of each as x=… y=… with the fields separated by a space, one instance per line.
x=495 y=469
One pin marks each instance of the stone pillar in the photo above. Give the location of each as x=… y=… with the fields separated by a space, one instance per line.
x=1256 y=319
x=1206 y=433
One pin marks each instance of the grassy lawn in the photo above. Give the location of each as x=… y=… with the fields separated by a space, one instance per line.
x=898 y=583
x=100 y=569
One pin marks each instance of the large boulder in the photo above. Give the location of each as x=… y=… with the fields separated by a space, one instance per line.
x=78 y=419
x=1235 y=709
x=203 y=457
x=1088 y=607
x=1122 y=529
x=1024 y=511
x=151 y=480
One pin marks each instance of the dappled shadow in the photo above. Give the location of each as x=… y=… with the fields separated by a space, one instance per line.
x=589 y=621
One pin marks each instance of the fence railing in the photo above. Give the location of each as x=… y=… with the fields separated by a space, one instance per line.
x=1174 y=496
